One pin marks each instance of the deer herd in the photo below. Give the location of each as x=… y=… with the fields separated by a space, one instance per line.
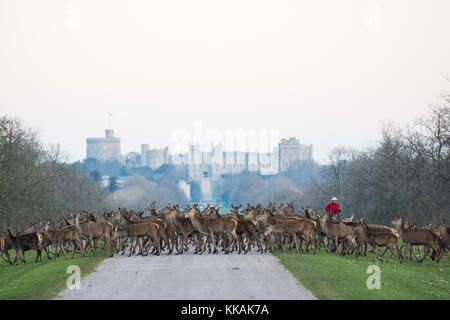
x=241 y=230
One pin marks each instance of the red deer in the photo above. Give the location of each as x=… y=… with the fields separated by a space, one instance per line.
x=209 y=227
x=62 y=235
x=90 y=231
x=4 y=247
x=165 y=231
x=411 y=237
x=184 y=228
x=379 y=239
x=337 y=231
x=303 y=227
x=248 y=227
x=24 y=242
x=445 y=236
x=136 y=232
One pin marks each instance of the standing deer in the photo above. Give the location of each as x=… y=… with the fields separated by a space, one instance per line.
x=62 y=235
x=4 y=247
x=378 y=238
x=412 y=237
x=184 y=228
x=90 y=231
x=25 y=242
x=136 y=232
x=303 y=227
x=337 y=231
x=210 y=227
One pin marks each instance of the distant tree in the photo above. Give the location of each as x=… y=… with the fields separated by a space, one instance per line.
x=168 y=173
x=124 y=172
x=302 y=173
x=91 y=164
x=112 y=184
x=165 y=173
x=146 y=172
x=111 y=167
x=95 y=175
x=407 y=173
x=196 y=192
x=138 y=192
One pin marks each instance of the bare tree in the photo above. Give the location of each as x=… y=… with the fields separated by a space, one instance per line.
x=407 y=173
x=35 y=181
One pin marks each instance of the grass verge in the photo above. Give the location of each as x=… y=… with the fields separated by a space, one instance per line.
x=330 y=276
x=42 y=280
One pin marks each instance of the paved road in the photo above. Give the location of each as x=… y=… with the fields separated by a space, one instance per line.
x=191 y=277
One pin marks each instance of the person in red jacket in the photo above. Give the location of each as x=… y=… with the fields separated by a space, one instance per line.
x=334 y=207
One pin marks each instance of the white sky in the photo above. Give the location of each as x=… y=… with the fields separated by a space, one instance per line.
x=327 y=72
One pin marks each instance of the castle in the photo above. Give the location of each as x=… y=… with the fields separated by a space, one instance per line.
x=104 y=148
x=215 y=163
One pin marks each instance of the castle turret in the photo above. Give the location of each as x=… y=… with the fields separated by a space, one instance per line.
x=103 y=148
x=109 y=133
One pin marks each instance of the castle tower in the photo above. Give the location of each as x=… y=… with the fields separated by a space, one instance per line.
x=104 y=148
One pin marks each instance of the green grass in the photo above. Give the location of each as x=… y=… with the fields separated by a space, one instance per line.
x=42 y=280
x=330 y=276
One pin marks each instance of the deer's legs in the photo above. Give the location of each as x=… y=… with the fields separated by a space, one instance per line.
x=158 y=247
x=93 y=247
x=203 y=247
x=183 y=244
x=410 y=248
x=336 y=241
x=374 y=252
x=141 y=247
x=82 y=247
x=239 y=243
x=133 y=242
x=20 y=256
x=384 y=252
x=124 y=246
x=47 y=252
x=307 y=243
x=8 y=258
x=74 y=248
x=392 y=250
x=213 y=240
x=399 y=253
x=62 y=250
x=38 y=255
x=294 y=238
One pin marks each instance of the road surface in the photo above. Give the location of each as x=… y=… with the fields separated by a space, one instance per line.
x=191 y=277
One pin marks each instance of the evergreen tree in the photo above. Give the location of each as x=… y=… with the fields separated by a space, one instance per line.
x=112 y=185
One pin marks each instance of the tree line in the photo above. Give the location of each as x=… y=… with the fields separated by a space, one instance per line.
x=406 y=173
x=36 y=181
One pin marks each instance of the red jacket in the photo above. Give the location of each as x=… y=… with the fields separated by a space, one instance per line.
x=333 y=207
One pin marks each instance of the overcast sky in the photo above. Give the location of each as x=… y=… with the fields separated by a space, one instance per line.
x=327 y=72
